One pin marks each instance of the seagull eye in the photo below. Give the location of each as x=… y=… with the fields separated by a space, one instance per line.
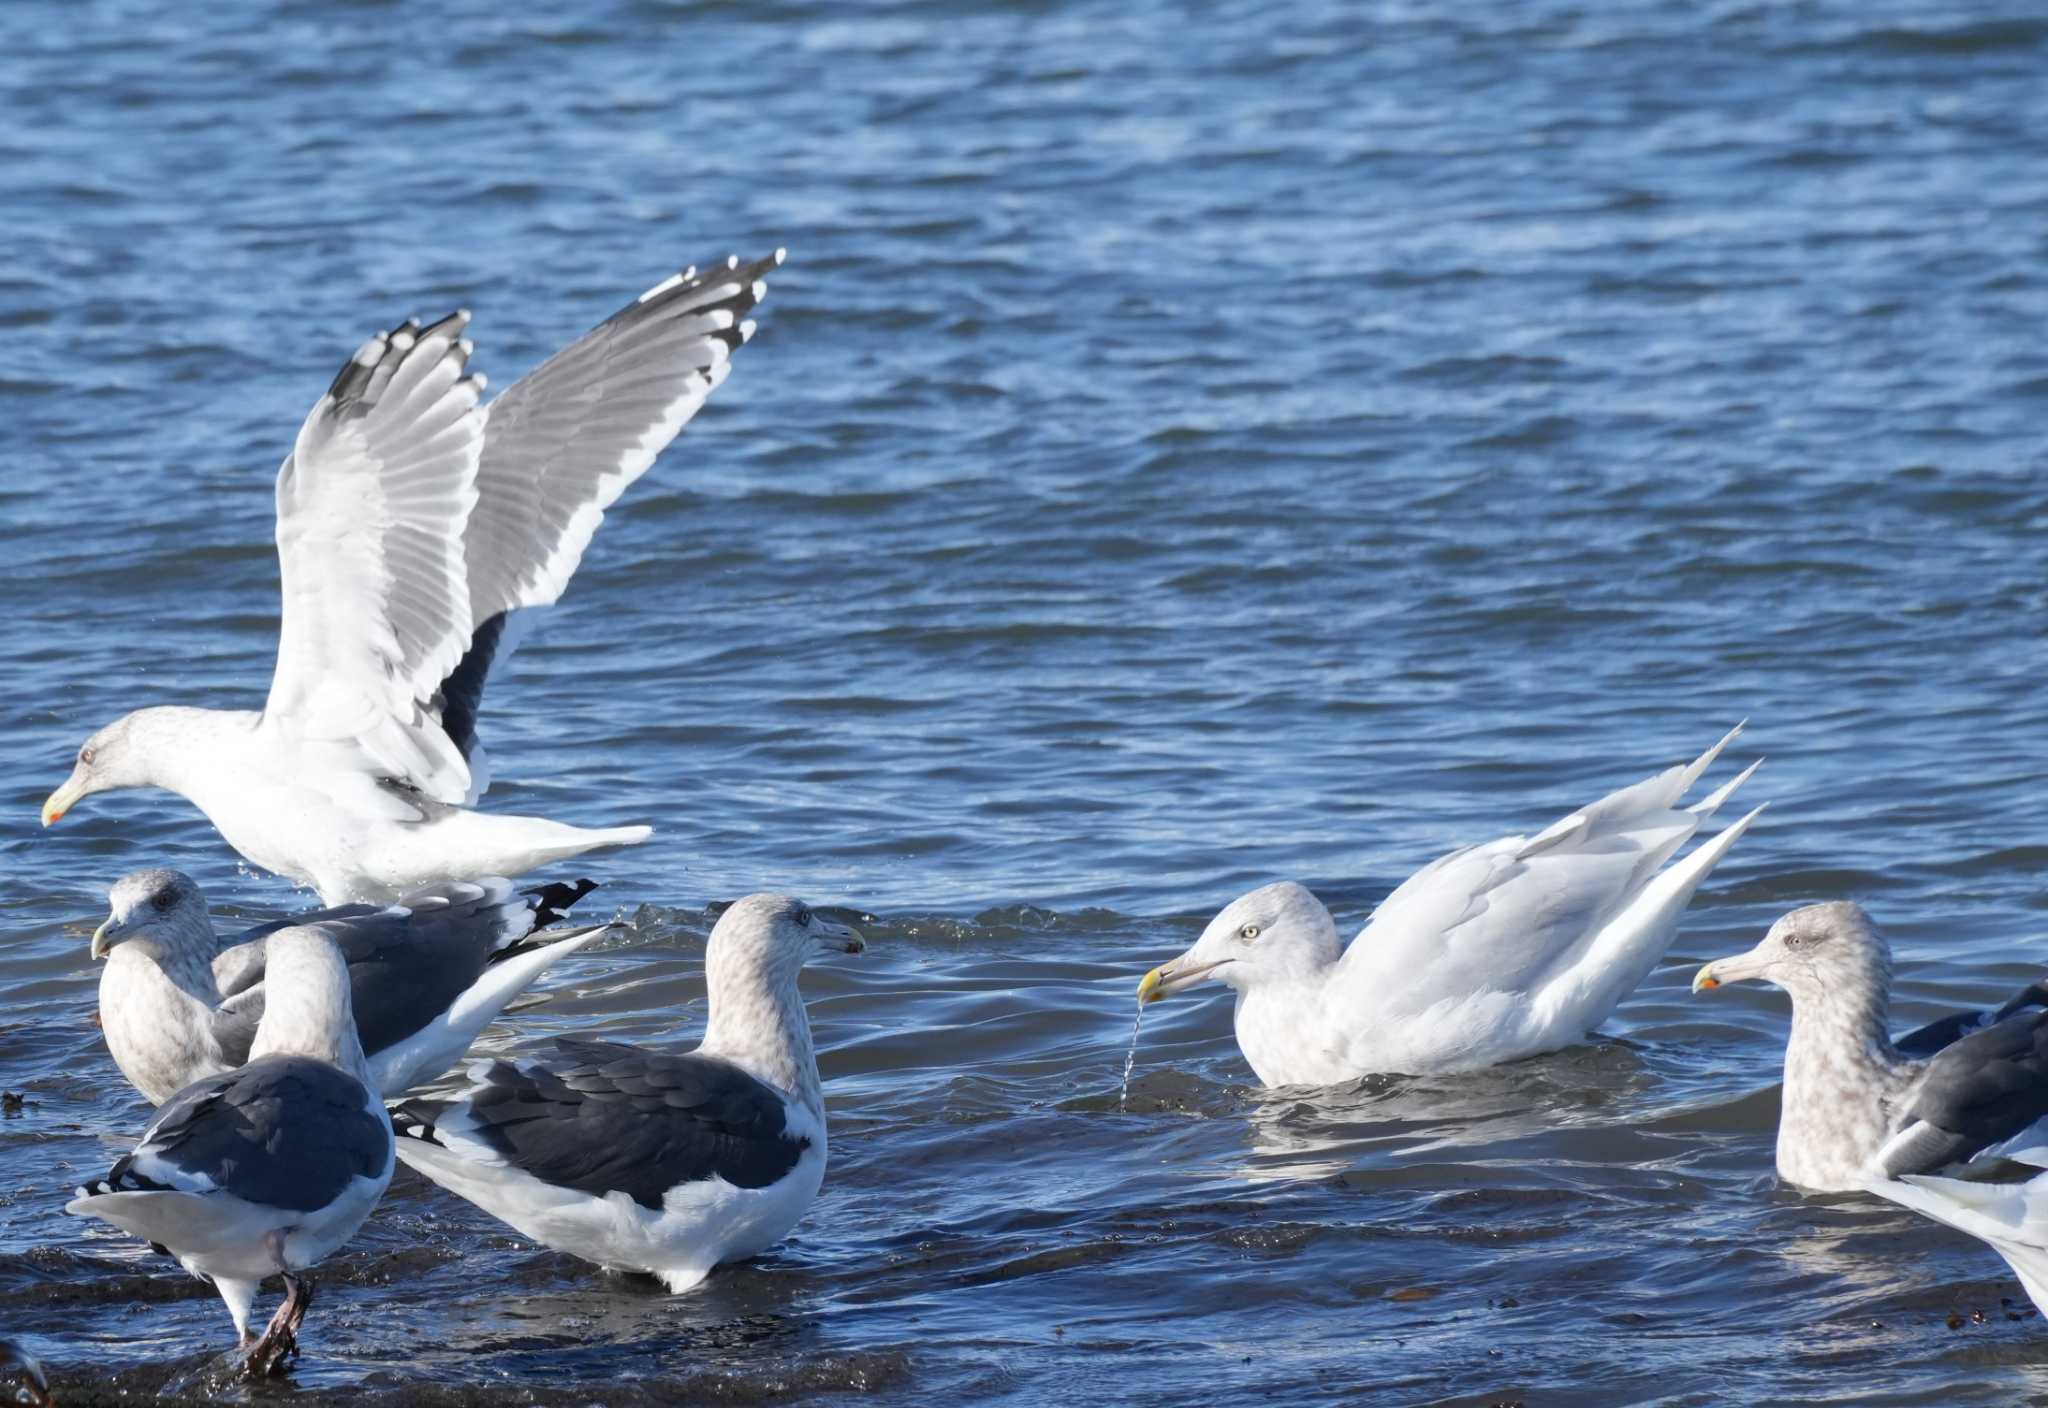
x=85 y=756
x=802 y=915
x=1248 y=932
x=1795 y=941
x=162 y=901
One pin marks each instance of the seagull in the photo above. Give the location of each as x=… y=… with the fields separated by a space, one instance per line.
x=412 y=523
x=427 y=975
x=267 y=1169
x=1488 y=954
x=646 y=1161
x=1855 y=1106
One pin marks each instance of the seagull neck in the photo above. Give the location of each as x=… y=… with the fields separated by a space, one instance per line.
x=1840 y=1070
x=1278 y=1023
x=1850 y=1018
x=757 y=1022
x=176 y=978
x=179 y=747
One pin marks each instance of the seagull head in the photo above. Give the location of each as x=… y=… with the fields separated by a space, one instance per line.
x=1810 y=953
x=108 y=760
x=161 y=912
x=772 y=937
x=1276 y=933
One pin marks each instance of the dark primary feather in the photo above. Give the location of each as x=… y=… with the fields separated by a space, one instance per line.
x=601 y=1116
x=553 y=901
x=285 y=1131
x=1981 y=1091
x=1947 y=1030
x=404 y=970
x=461 y=695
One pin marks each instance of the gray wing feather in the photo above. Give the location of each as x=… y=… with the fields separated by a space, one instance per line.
x=602 y=1117
x=407 y=963
x=1946 y=1031
x=1981 y=1091
x=284 y=1131
x=565 y=441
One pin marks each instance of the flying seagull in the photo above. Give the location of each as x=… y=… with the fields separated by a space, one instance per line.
x=426 y=976
x=265 y=1170
x=1489 y=954
x=1855 y=1106
x=412 y=523
x=646 y=1161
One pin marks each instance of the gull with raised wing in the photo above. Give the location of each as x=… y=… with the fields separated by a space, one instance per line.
x=412 y=523
x=1488 y=954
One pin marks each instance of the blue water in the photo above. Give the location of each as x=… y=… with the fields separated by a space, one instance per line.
x=1189 y=446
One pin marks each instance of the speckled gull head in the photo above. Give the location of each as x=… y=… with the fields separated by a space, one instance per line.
x=160 y=912
x=768 y=938
x=1277 y=933
x=1823 y=952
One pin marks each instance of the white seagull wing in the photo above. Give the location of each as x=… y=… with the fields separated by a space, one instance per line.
x=563 y=442
x=371 y=508
x=1514 y=915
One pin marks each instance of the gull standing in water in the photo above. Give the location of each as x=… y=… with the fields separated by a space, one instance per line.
x=426 y=977
x=645 y=1161
x=411 y=523
x=1489 y=954
x=265 y=1170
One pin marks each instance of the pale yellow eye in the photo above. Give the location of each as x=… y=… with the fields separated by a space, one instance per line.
x=1248 y=932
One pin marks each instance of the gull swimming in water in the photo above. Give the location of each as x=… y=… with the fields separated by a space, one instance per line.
x=637 y=1160
x=267 y=1169
x=411 y=523
x=1856 y=1107
x=1488 y=954
x=426 y=975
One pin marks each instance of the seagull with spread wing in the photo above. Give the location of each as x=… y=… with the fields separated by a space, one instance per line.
x=412 y=522
x=1488 y=954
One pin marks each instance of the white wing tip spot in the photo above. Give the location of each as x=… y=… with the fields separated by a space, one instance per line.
x=480 y=381
x=732 y=261
x=665 y=285
x=760 y=289
x=465 y=347
x=747 y=330
x=780 y=255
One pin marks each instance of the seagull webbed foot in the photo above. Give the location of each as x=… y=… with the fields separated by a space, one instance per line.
x=280 y=1340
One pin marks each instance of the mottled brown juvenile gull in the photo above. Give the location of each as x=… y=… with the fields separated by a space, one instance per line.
x=646 y=1161
x=1855 y=1107
x=1489 y=954
x=267 y=1169
x=411 y=523
x=426 y=975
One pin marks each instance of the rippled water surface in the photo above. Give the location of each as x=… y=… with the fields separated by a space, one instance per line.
x=1189 y=446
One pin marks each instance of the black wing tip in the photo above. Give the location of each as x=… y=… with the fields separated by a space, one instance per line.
x=416 y=1120
x=355 y=376
x=750 y=290
x=553 y=901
